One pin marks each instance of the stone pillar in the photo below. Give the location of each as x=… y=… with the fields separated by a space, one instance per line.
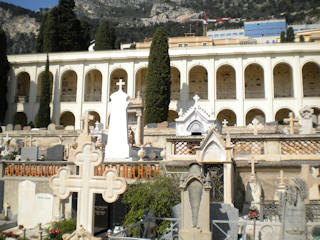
x=228 y=183
x=140 y=128
x=105 y=94
x=56 y=95
x=268 y=89
x=297 y=83
x=240 y=92
x=184 y=85
x=80 y=93
x=211 y=82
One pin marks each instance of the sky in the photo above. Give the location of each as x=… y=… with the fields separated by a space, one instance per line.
x=33 y=4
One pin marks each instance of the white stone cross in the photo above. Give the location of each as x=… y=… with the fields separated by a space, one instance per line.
x=120 y=84
x=196 y=98
x=87 y=184
x=291 y=120
x=255 y=125
x=225 y=122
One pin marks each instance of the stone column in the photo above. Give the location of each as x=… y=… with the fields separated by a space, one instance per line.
x=228 y=183
x=268 y=89
x=240 y=92
x=105 y=94
x=56 y=95
x=140 y=127
x=184 y=85
x=297 y=83
x=212 y=82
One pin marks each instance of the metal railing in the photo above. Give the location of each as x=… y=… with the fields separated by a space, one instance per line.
x=226 y=94
x=254 y=94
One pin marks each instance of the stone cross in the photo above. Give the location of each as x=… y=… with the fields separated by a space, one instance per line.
x=87 y=184
x=281 y=178
x=120 y=84
x=252 y=162
x=6 y=140
x=255 y=125
x=196 y=98
x=86 y=120
x=225 y=122
x=291 y=120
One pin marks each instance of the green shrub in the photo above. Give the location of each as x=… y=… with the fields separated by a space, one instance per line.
x=60 y=228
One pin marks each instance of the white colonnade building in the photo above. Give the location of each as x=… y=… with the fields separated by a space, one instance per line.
x=236 y=82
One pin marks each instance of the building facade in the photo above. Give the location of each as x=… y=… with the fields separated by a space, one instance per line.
x=236 y=83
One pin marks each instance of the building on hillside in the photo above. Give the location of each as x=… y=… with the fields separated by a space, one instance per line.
x=233 y=83
x=308 y=35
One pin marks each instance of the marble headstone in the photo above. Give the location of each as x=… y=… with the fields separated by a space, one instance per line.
x=9 y=127
x=29 y=153
x=55 y=153
x=306 y=114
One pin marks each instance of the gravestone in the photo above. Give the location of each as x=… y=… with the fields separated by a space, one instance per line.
x=294 y=211
x=26 y=128
x=51 y=127
x=195 y=200
x=118 y=145
x=33 y=208
x=69 y=128
x=222 y=211
x=29 y=153
x=9 y=127
x=43 y=208
x=17 y=127
x=55 y=153
x=306 y=114
x=26 y=200
x=3 y=128
x=20 y=144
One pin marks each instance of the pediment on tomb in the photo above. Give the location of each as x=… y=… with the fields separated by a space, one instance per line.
x=195 y=121
x=212 y=148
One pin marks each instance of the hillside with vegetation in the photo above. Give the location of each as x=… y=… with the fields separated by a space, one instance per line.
x=135 y=20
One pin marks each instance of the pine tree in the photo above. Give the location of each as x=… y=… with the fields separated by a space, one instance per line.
x=4 y=70
x=105 y=36
x=43 y=116
x=158 y=79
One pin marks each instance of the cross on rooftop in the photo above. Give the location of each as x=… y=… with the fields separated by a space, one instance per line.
x=196 y=99
x=87 y=184
x=225 y=122
x=255 y=125
x=121 y=83
x=291 y=120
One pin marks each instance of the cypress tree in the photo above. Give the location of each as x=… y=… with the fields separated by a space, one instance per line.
x=105 y=36
x=290 y=35
x=282 y=37
x=158 y=79
x=43 y=116
x=61 y=30
x=4 y=70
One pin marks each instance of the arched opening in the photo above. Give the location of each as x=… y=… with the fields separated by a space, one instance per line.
x=198 y=82
x=282 y=114
x=316 y=117
x=23 y=87
x=69 y=86
x=311 y=79
x=227 y=115
x=254 y=81
x=175 y=84
x=172 y=115
x=96 y=118
x=196 y=128
x=255 y=113
x=115 y=77
x=93 y=86
x=141 y=82
x=21 y=119
x=282 y=80
x=67 y=119
x=226 y=82
x=39 y=85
